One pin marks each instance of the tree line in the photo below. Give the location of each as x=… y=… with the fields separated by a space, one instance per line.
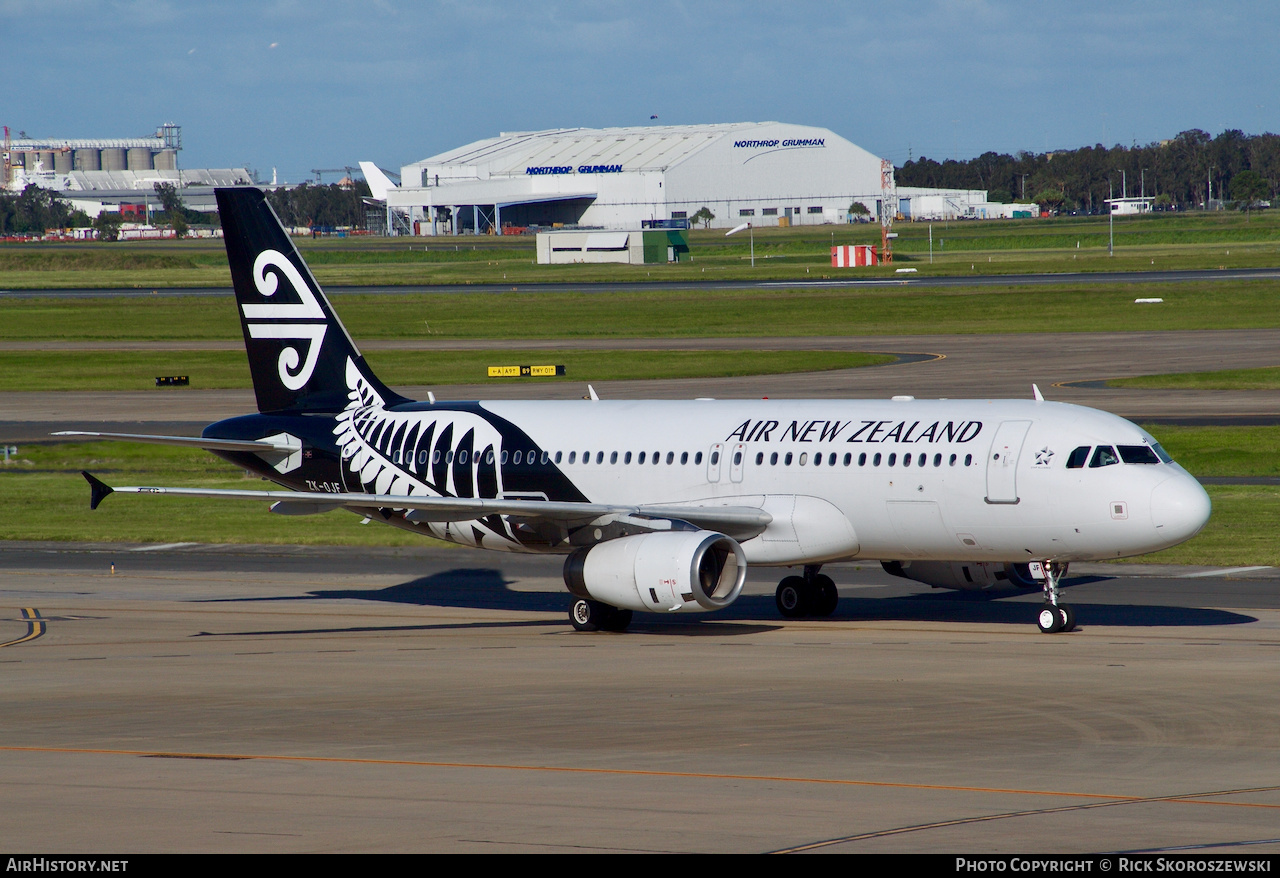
x=319 y=206
x=1177 y=172
x=33 y=211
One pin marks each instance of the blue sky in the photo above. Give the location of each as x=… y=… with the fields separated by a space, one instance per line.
x=298 y=85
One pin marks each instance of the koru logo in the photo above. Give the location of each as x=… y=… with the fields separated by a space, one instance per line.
x=304 y=321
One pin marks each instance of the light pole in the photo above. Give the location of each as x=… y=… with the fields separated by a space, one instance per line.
x=1111 y=220
x=751 y=229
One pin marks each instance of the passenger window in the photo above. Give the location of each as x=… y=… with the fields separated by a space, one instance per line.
x=671 y=456
x=715 y=458
x=906 y=460
x=684 y=458
x=697 y=458
x=640 y=459
x=893 y=459
x=862 y=459
x=937 y=460
x=875 y=461
x=773 y=459
x=573 y=456
x=787 y=460
x=1078 y=457
x=804 y=458
x=848 y=458
x=759 y=458
x=1138 y=454
x=613 y=457
x=599 y=457
x=1103 y=455
x=627 y=457
x=558 y=454
x=968 y=460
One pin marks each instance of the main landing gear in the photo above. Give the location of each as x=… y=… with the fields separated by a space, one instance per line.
x=587 y=615
x=1054 y=616
x=813 y=594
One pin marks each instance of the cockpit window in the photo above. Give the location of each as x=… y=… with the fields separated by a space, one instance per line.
x=1161 y=453
x=1078 y=457
x=1104 y=455
x=1138 y=454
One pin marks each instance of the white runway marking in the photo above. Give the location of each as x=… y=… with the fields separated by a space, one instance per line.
x=163 y=546
x=1225 y=571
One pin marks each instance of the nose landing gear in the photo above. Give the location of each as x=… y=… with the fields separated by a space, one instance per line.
x=1054 y=617
x=813 y=594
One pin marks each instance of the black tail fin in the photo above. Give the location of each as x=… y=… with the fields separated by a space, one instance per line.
x=300 y=354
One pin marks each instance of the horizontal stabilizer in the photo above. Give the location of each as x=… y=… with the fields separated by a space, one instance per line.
x=98 y=489
x=249 y=445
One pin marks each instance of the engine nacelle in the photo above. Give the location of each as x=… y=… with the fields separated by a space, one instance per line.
x=679 y=571
x=967 y=575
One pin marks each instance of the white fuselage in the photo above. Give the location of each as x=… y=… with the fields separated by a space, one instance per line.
x=981 y=480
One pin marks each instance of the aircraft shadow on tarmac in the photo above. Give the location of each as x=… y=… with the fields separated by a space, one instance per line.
x=485 y=588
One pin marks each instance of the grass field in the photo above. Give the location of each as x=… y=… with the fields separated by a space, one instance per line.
x=48 y=500
x=1226 y=379
x=136 y=370
x=1064 y=244
x=679 y=313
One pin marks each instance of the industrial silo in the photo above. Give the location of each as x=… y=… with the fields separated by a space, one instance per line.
x=113 y=159
x=139 y=158
x=87 y=160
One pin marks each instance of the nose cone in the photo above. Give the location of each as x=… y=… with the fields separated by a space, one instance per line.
x=1179 y=509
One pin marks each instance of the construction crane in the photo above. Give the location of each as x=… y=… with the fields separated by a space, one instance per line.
x=4 y=181
x=348 y=170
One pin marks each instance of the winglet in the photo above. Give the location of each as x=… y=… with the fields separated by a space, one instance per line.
x=98 y=489
x=1036 y=392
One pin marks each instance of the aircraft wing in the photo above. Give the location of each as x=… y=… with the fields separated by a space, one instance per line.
x=740 y=522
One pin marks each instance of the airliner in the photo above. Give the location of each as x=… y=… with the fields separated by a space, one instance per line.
x=660 y=506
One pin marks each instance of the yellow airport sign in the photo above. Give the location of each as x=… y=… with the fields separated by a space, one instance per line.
x=525 y=371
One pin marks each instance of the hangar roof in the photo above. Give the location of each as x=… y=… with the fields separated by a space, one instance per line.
x=642 y=148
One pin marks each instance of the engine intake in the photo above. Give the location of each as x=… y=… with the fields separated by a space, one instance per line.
x=682 y=571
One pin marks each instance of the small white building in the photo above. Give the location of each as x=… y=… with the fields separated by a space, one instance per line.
x=633 y=247
x=1129 y=206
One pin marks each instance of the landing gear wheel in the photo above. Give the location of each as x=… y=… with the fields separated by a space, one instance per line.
x=826 y=596
x=792 y=597
x=588 y=615
x=1068 y=617
x=1049 y=620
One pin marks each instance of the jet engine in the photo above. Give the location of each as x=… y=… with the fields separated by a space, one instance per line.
x=678 y=571
x=967 y=575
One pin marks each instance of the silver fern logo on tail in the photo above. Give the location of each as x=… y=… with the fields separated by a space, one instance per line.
x=304 y=321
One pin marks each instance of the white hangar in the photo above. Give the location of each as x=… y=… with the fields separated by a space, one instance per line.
x=767 y=173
